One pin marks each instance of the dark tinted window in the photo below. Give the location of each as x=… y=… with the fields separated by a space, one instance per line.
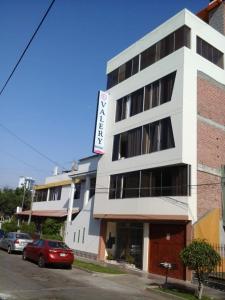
x=166 y=181
x=23 y=236
x=57 y=244
x=149 y=138
x=136 y=102
x=156 y=93
x=209 y=52
x=169 y=44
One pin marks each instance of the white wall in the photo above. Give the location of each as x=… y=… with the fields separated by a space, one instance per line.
x=183 y=111
x=92 y=227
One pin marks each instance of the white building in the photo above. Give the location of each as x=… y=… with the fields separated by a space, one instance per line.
x=27 y=182
x=69 y=197
x=164 y=142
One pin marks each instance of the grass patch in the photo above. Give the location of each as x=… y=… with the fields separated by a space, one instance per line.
x=96 y=268
x=182 y=294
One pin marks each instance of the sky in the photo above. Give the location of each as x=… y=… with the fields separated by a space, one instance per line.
x=50 y=102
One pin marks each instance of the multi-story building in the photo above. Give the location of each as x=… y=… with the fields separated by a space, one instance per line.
x=68 y=197
x=161 y=173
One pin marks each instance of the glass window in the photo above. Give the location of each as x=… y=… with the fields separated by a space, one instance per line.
x=165 y=181
x=77 y=191
x=92 y=187
x=166 y=136
x=112 y=78
x=55 y=193
x=41 y=195
x=166 y=87
x=57 y=244
x=131 y=185
x=136 y=102
x=121 y=109
x=148 y=57
x=209 y=52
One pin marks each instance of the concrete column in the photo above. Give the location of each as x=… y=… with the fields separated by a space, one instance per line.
x=48 y=195
x=86 y=191
x=145 y=246
x=70 y=204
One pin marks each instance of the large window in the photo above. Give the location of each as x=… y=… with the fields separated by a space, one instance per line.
x=41 y=195
x=165 y=181
x=77 y=191
x=169 y=44
x=55 y=193
x=149 y=138
x=123 y=72
x=154 y=94
x=209 y=52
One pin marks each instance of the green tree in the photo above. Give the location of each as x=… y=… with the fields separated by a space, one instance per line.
x=11 y=198
x=29 y=228
x=51 y=229
x=200 y=257
x=10 y=226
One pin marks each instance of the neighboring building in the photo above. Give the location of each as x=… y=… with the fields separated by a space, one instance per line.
x=164 y=143
x=27 y=182
x=69 y=197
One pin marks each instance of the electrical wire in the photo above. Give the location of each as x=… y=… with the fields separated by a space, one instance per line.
x=26 y=48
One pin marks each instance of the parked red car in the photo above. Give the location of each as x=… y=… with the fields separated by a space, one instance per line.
x=46 y=252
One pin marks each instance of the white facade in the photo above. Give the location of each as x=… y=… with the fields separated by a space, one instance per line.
x=182 y=109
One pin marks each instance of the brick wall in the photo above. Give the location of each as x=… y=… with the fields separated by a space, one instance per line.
x=211 y=145
x=208 y=192
x=210 y=142
x=211 y=99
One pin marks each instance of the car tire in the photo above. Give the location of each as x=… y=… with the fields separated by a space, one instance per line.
x=41 y=262
x=24 y=256
x=69 y=267
x=9 y=250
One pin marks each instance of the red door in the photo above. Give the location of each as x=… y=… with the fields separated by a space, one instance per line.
x=166 y=243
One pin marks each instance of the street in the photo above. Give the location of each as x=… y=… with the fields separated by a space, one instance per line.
x=25 y=280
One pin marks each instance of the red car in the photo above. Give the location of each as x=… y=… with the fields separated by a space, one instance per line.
x=49 y=252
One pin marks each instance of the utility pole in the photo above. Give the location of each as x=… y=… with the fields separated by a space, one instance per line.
x=31 y=206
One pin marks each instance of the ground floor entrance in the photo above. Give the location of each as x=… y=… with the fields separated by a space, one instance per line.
x=147 y=244
x=166 y=243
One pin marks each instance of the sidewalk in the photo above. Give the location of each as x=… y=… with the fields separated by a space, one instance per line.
x=141 y=280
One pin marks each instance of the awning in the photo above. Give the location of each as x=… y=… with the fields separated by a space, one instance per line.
x=47 y=213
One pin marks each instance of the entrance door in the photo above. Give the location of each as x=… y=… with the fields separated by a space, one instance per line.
x=166 y=243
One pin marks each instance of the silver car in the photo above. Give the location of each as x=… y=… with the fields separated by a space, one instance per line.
x=15 y=241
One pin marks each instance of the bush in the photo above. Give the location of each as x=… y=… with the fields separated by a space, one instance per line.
x=10 y=226
x=52 y=237
x=29 y=228
x=51 y=227
x=200 y=257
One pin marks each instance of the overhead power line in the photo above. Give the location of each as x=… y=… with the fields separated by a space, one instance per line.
x=30 y=146
x=9 y=78
x=26 y=48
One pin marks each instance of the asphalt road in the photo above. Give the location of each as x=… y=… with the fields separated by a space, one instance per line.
x=24 y=280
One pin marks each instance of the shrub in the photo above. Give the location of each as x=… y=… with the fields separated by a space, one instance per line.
x=200 y=257
x=29 y=228
x=10 y=226
x=51 y=227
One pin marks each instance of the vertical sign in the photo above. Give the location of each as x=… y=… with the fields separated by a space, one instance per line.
x=99 y=138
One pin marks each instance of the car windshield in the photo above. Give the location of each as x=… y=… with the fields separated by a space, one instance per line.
x=23 y=236
x=56 y=244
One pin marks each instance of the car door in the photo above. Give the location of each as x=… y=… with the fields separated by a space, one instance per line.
x=30 y=249
x=37 y=249
x=4 y=241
